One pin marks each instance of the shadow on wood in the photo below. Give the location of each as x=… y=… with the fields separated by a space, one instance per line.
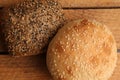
x=24 y=68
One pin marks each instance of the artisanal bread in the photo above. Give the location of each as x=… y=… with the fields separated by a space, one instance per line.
x=29 y=26
x=82 y=50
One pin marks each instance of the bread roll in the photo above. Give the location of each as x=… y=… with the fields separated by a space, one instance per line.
x=29 y=26
x=82 y=50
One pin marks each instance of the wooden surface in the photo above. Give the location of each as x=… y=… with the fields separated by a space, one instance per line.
x=34 y=67
x=77 y=3
x=90 y=3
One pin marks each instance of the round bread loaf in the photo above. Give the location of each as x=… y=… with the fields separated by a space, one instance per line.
x=82 y=50
x=29 y=26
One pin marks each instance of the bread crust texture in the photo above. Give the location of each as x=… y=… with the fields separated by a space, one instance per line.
x=30 y=25
x=82 y=50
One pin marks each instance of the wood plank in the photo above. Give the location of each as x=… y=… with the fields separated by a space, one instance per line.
x=109 y=17
x=32 y=68
x=4 y=3
x=23 y=68
x=90 y=3
x=76 y=3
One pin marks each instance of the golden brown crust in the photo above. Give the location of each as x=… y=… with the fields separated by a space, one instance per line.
x=30 y=25
x=82 y=50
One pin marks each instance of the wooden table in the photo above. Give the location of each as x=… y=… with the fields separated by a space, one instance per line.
x=34 y=67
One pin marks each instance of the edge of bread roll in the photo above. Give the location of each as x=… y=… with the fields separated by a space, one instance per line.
x=29 y=26
x=82 y=50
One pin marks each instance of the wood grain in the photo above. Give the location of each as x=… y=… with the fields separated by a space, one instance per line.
x=109 y=17
x=90 y=3
x=32 y=68
x=76 y=3
x=23 y=68
x=4 y=3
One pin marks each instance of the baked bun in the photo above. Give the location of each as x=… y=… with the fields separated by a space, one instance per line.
x=82 y=50
x=29 y=26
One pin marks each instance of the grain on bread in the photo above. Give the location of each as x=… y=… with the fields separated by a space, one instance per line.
x=82 y=50
x=29 y=26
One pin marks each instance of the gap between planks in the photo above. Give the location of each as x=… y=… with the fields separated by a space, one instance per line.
x=109 y=7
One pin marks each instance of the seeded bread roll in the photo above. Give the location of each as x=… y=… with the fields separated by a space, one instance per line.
x=29 y=26
x=82 y=50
